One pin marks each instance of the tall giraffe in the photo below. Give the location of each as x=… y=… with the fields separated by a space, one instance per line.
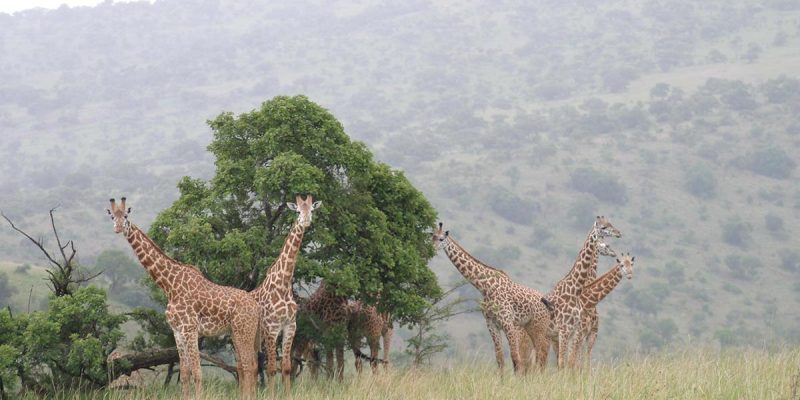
x=565 y=295
x=327 y=311
x=196 y=307
x=366 y=322
x=526 y=345
x=275 y=296
x=592 y=294
x=507 y=306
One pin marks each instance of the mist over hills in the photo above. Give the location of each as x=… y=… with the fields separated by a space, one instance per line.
x=520 y=121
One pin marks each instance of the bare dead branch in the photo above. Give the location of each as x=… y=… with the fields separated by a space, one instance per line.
x=38 y=243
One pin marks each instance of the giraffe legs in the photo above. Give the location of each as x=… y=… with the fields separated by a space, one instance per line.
x=514 y=334
x=246 y=368
x=387 y=342
x=286 y=361
x=374 y=347
x=190 y=364
x=590 y=339
x=340 y=362
x=565 y=343
x=270 y=348
x=494 y=331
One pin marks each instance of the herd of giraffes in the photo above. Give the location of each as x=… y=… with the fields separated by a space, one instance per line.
x=566 y=318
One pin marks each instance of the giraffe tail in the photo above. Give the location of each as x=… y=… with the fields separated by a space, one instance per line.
x=548 y=304
x=359 y=354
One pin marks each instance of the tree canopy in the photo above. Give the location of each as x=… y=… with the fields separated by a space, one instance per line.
x=369 y=239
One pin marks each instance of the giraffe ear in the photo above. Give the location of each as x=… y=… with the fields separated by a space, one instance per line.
x=447 y=233
x=316 y=205
x=108 y=211
x=129 y=210
x=618 y=260
x=292 y=206
x=633 y=258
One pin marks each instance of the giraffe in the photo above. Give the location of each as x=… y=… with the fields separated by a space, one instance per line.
x=507 y=306
x=276 y=299
x=592 y=294
x=366 y=321
x=330 y=310
x=196 y=307
x=526 y=345
x=565 y=295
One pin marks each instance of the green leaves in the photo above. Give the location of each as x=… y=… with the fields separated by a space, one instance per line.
x=370 y=238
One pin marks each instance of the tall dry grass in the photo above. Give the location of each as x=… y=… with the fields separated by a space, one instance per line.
x=732 y=374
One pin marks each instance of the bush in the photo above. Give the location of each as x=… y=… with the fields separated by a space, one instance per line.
x=603 y=186
x=773 y=223
x=790 y=260
x=22 y=269
x=512 y=207
x=772 y=162
x=736 y=233
x=582 y=212
x=700 y=181
x=743 y=267
x=6 y=291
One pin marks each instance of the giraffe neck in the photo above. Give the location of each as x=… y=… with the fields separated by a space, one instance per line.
x=596 y=291
x=280 y=274
x=476 y=272
x=579 y=275
x=155 y=262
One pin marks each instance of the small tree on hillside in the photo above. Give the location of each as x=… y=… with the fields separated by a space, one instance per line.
x=64 y=273
x=426 y=342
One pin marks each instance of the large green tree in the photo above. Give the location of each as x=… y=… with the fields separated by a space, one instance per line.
x=370 y=239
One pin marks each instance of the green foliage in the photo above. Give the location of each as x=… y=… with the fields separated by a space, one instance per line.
x=700 y=181
x=6 y=291
x=782 y=89
x=773 y=223
x=743 y=267
x=771 y=161
x=369 y=237
x=602 y=185
x=65 y=346
x=426 y=341
x=737 y=233
x=513 y=207
x=790 y=260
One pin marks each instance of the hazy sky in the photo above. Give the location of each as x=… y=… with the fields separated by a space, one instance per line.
x=11 y=6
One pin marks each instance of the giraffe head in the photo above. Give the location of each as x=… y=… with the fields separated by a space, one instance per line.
x=119 y=214
x=603 y=228
x=304 y=208
x=440 y=237
x=604 y=249
x=626 y=265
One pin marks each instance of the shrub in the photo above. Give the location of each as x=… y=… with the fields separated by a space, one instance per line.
x=700 y=181
x=773 y=223
x=6 y=291
x=790 y=260
x=772 y=162
x=582 y=212
x=736 y=233
x=512 y=207
x=22 y=269
x=743 y=267
x=602 y=185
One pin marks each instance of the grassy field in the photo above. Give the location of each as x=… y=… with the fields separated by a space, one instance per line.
x=707 y=374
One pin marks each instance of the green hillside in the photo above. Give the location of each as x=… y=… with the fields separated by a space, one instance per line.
x=520 y=122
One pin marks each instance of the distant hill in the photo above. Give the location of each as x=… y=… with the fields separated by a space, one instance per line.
x=520 y=121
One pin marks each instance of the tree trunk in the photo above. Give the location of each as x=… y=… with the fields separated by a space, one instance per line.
x=128 y=363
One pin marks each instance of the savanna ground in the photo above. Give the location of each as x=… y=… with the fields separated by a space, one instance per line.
x=706 y=374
